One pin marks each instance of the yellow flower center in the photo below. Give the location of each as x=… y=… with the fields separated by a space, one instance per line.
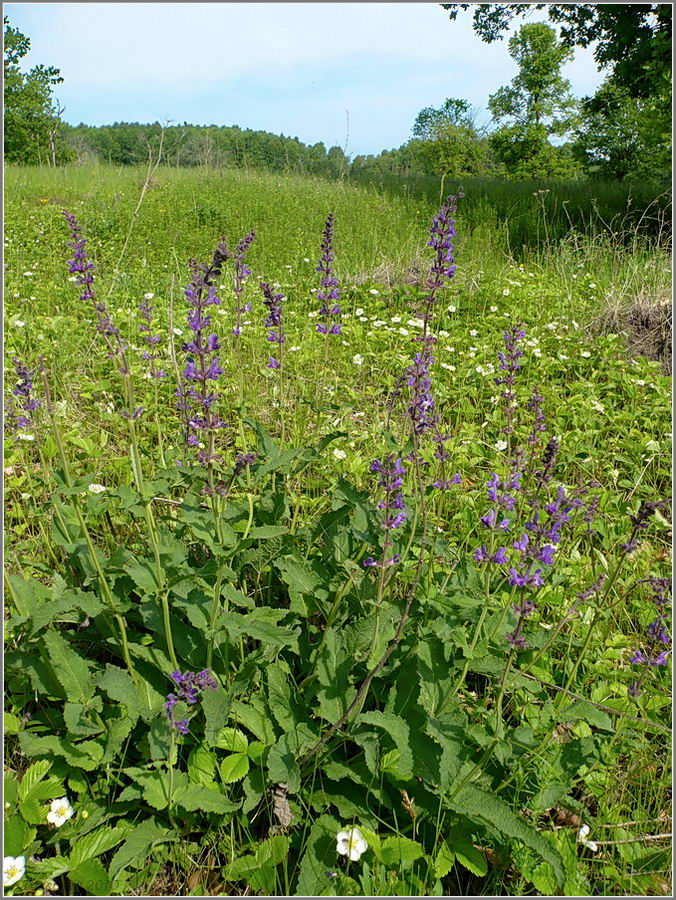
x=12 y=871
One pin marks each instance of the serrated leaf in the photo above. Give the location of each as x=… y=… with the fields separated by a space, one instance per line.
x=216 y=706
x=273 y=851
x=318 y=857
x=443 y=861
x=580 y=709
x=201 y=765
x=18 y=835
x=86 y=755
x=138 y=845
x=254 y=717
x=485 y=808
x=33 y=774
x=399 y=849
x=232 y=739
x=471 y=858
x=91 y=876
x=398 y=730
x=142 y=700
x=196 y=797
x=234 y=767
x=97 y=842
x=255 y=626
x=70 y=668
x=261 y=532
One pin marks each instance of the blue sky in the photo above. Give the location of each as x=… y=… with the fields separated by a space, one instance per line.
x=292 y=68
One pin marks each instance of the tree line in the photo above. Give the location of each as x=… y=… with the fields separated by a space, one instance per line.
x=538 y=129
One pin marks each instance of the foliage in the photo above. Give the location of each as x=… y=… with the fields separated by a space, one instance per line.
x=30 y=116
x=623 y=137
x=536 y=105
x=632 y=39
x=464 y=753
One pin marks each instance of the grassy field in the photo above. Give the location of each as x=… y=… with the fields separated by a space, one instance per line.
x=480 y=779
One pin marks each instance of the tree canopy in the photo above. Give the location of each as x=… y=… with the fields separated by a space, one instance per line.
x=29 y=111
x=634 y=39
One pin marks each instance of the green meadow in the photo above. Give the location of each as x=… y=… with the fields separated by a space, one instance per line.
x=467 y=764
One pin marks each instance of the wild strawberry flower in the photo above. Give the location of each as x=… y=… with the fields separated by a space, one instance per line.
x=582 y=839
x=351 y=844
x=59 y=812
x=13 y=869
x=96 y=488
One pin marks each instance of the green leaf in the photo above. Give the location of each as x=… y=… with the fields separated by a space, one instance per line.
x=255 y=718
x=234 y=767
x=138 y=845
x=32 y=776
x=71 y=669
x=201 y=765
x=319 y=856
x=216 y=706
x=255 y=626
x=97 y=842
x=471 y=858
x=75 y=716
x=142 y=572
x=580 y=709
x=12 y=723
x=18 y=835
x=443 y=861
x=266 y=531
x=91 y=876
x=484 y=807
x=273 y=851
x=434 y=672
x=197 y=798
x=232 y=739
x=399 y=849
x=86 y=755
x=399 y=732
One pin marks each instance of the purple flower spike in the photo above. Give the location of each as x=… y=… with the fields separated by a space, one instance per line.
x=273 y=321
x=189 y=686
x=328 y=292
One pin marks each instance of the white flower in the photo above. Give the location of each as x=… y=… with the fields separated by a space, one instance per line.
x=374 y=292
x=312 y=315
x=473 y=349
x=358 y=359
x=13 y=868
x=379 y=324
x=359 y=311
x=177 y=331
x=339 y=454
x=586 y=354
x=505 y=293
x=60 y=811
x=592 y=284
x=25 y=496
x=574 y=323
x=473 y=332
x=305 y=259
x=582 y=839
x=351 y=843
x=500 y=445
x=25 y=437
x=18 y=323
x=148 y=296
x=599 y=407
x=288 y=267
x=551 y=326
x=363 y=318
x=444 y=334
x=96 y=488
x=416 y=323
x=28 y=274
x=9 y=470
x=447 y=366
x=294 y=349
x=639 y=381
x=395 y=320
x=450 y=309
x=563 y=356
x=537 y=352
x=403 y=331
x=493 y=308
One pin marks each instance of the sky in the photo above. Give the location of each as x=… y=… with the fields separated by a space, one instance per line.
x=348 y=74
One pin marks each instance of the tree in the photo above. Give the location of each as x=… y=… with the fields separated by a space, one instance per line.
x=30 y=114
x=536 y=105
x=447 y=141
x=620 y=136
x=633 y=39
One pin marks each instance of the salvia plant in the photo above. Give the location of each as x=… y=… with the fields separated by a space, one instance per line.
x=381 y=698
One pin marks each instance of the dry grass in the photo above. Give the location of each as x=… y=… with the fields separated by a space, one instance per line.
x=646 y=322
